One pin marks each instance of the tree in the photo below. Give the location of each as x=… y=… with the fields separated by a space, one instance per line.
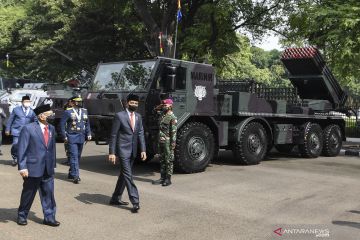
x=334 y=27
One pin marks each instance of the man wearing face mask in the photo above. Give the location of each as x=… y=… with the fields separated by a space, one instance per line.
x=75 y=129
x=126 y=134
x=37 y=163
x=19 y=117
x=167 y=142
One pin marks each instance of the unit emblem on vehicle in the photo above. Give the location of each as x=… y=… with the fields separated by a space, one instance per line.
x=48 y=101
x=200 y=92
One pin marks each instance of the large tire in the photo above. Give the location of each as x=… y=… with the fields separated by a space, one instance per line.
x=195 y=147
x=332 y=141
x=284 y=148
x=252 y=145
x=313 y=141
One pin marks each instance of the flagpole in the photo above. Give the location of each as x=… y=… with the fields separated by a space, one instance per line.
x=176 y=32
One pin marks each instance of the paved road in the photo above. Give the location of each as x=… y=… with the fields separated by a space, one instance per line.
x=227 y=201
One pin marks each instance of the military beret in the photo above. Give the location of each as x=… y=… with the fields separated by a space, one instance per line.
x=168 y=101
x=41 y=109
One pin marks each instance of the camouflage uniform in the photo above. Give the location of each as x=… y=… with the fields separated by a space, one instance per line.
x=67 y=106
x=167 y=141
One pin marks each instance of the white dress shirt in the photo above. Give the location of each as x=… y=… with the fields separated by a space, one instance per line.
x=26 y=110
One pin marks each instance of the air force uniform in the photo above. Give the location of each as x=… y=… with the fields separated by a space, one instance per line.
x=75 y=129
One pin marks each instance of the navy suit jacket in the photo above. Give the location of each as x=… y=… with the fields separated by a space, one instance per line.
x=123 y=141
x=18 y=119
x=33 y=154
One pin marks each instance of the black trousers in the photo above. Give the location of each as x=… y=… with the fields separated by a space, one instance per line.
x=125 y=179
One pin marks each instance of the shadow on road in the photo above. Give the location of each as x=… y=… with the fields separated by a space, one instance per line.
x=91 y=198
x=99 y=164
x=227 y=158
x=347 y=223
x=354 y=211
x=10 y=215
x=5 y=162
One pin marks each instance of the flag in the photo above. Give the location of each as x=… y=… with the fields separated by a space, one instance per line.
x=7 y=60
x=161 y=46
x=179 y=14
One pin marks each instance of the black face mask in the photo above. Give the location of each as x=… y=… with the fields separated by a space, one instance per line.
x=133 y=108
x=165 y=109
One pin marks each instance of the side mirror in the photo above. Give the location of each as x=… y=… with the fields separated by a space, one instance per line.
x=170 y=83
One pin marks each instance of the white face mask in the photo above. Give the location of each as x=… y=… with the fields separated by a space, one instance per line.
x=26 y=104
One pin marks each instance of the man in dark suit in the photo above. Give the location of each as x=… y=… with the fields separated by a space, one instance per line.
x=126 y=134
x=19 y=116
x=37 y=161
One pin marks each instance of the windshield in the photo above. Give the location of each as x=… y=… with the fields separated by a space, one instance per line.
x=123 y=76
x=17 y=97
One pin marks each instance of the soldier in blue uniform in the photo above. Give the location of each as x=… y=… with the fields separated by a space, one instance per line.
x=75 y=129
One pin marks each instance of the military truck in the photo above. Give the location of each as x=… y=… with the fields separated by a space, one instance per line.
x=243 y=116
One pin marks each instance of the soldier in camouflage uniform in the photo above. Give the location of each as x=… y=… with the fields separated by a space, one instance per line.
x=67 y=106
x=167 y=142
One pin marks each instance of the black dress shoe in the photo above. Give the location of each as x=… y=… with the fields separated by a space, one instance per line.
x=21 y=221
x=76 y=180
x=70 y=176
x=135 y=208
x=51 y=223
x=67 y=163
x=118 y=202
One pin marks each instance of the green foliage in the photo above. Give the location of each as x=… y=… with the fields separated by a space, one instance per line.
x=91 y=31
x=253 y=63
x=334 y=27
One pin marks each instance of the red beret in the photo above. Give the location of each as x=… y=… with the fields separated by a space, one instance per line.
x=168 y=101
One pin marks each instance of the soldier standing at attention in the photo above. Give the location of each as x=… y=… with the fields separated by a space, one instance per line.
x=75 y=129
x=67 y=106
x=2 y=117
x=167 y=143
x=19 y=117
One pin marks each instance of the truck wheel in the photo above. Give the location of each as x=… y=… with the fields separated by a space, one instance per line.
x=313 y=141
x=252 y=146
x=194 y=147
x=332 y=141
x=284 y=148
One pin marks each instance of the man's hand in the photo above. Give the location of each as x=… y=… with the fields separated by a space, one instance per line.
x=24 y=173
x=89 y=138
x=143 y=156
x=112 y=158
x=7 y=133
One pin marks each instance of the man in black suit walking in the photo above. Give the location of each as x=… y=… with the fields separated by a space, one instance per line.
x=126 y=134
